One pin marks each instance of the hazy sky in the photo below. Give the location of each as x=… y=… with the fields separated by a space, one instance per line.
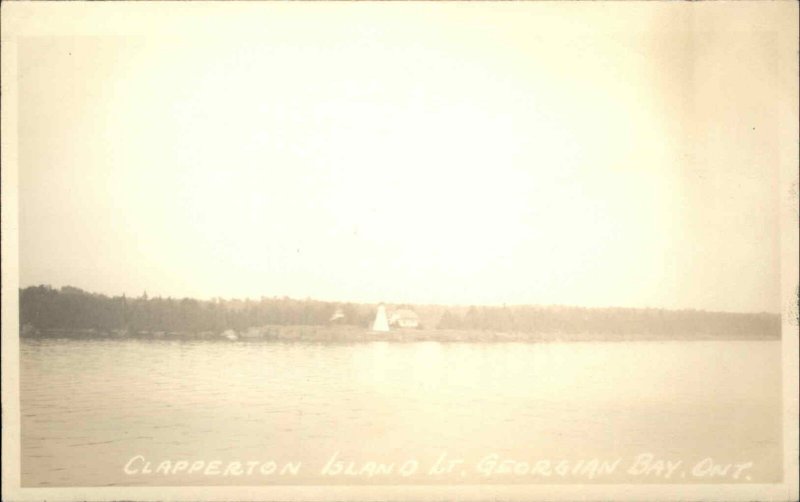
x=468 y=154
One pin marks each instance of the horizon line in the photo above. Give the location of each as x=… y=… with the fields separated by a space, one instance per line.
x=376 y=303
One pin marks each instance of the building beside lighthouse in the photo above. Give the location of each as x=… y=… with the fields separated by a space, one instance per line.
x=404 y=318
x=338 y=317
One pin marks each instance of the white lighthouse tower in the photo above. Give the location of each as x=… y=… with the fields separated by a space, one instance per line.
x=381 y=322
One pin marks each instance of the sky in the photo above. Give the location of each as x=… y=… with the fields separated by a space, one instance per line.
x=452 y=154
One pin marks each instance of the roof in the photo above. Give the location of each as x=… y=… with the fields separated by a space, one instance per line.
x=404 y=314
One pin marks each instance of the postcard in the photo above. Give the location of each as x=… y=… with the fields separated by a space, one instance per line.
x=400 y=250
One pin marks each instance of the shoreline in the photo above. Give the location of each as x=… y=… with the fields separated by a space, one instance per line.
x=352 y=334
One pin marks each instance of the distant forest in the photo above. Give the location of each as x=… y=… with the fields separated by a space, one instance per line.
x=44 y=307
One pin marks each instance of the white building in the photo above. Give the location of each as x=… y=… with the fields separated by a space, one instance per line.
x=338 y=316
x=404 y=318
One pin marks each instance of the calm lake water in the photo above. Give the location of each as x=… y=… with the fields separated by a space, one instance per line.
x=510 y=412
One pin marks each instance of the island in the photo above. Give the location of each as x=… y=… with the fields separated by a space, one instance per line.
x=70 y=312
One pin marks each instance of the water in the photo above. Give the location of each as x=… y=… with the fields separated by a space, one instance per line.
x=90 y=406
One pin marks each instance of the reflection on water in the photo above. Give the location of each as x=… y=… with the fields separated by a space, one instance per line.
x=88 y=407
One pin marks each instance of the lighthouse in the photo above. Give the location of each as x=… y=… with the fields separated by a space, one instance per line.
x=381 y=322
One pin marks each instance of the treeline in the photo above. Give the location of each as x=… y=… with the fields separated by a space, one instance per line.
x=43 y=308
x=612 y=321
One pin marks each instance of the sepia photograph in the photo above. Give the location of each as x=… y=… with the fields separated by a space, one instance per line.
x=400 y=250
